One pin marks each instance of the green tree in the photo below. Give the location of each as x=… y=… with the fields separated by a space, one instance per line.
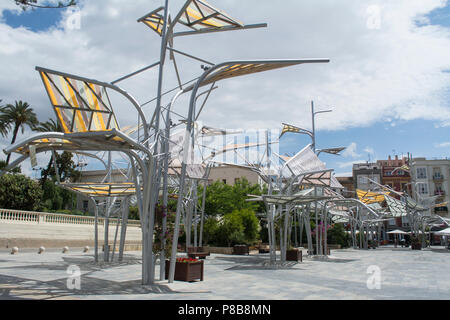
x=231 y=230
x=222 y=199
x=18 y=115
x=133 y=214
x=19 y=192
x=48 y=126
x=56 y=198
x=250 y=223
x=210 y=231
x=219 y=199
x=3 y=165
x=67 y=168
x=337 y=235
x=25 y=4
x=4 y=126
x=239 y=227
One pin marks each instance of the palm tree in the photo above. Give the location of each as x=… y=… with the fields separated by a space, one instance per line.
x=4 y=127
x=48 y=126
x=18 y=115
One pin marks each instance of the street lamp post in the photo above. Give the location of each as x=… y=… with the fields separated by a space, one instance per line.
x=335 y=151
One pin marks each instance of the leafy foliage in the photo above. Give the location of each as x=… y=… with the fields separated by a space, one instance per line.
x=133 y=213
x=66 y=168
x=222 y=199
x=18 y=116
x=24 y=4
x=239 y=227
x=19 y=192
x=3 y=165
x=337 y=235
x=56 y=198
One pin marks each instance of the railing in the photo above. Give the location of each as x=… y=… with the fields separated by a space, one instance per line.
x=439 y=193
x=438 y=177
x=19 y=216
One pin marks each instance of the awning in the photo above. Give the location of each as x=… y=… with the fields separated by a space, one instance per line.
x=102 y=189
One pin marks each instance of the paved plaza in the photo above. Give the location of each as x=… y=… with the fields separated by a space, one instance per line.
x=404 y=274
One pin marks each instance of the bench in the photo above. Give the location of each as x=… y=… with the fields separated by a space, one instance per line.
x=264 y=249
x=194 y=252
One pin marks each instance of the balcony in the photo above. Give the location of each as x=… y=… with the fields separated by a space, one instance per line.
x=440 y=193
x=438 y=177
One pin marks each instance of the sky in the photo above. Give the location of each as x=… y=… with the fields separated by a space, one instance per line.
x=388 y=80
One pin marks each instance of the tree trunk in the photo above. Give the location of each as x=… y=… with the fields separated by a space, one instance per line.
x=16 y=130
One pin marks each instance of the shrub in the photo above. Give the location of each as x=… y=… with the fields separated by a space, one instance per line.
x=337 y=235
x=19 y=192
x=210 y=230
x=238 y=227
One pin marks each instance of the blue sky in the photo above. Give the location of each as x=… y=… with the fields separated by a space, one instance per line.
x=384 y=136
x=419 y=137
x=35 y=20
x=440 y=16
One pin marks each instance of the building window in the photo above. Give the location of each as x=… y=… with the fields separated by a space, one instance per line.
x=85 y=205
x=437 y=175
x=421 y=173
x=224 y=181
x=117 y=204
x=422 y=188
x=362 y=180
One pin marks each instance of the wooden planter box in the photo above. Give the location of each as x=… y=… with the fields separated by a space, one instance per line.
x=184 y=271
x=241 y=250
x=294 y=255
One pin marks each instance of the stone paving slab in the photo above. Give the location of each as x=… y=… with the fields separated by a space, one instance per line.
x=404 y=274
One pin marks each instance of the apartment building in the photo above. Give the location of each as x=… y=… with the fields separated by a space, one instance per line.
x=432 y=178
x=230 y=174
x=393 y=175
x=362 y=172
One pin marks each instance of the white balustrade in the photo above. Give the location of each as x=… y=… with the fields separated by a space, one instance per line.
x=18 y=216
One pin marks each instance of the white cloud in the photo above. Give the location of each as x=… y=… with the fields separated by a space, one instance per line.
x=344 y=174
x=394 y=71
x=442 y=145
x=350 y=151
x=369 y=150
x=348 y=163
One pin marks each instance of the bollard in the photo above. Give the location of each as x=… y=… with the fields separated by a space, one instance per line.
x=41 y=250
x=65 y=249
x=14 y=250
x=86 y=249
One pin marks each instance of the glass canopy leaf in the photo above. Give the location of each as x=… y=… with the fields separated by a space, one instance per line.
x=369 y=197
x=199 y=15
x=102 y=189
x=80 y=105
